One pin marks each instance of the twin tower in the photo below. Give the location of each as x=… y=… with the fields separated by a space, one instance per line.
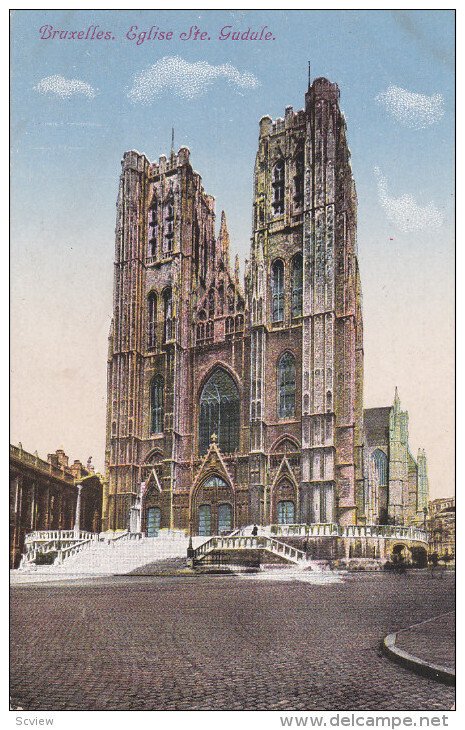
x=232 y=402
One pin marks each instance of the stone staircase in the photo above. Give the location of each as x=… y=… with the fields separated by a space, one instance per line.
x=57 y=544
x=125 y=554
x=245 y=543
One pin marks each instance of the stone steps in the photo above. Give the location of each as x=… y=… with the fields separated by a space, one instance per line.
x=126 y=556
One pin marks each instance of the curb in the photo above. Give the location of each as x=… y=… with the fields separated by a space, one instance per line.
x=433 y=671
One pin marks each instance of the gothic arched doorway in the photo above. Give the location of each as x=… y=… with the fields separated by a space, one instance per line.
x=284 y=503
x=153 y=521
x=212 y=508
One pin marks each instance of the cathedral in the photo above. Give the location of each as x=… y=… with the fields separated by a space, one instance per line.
x=235 y=402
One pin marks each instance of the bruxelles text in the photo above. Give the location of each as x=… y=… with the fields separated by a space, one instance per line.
x=134 y=34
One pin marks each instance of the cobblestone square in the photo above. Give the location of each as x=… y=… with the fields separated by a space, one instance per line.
x=221 y=643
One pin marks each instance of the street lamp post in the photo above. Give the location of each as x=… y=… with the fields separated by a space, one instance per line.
x=190 y=549
x=77 y=519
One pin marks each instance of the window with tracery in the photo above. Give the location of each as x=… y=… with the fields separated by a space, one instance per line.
x=380 y=461
x=169 y=226
x=156 y=404
x=152 y=320
x=152 y=229
x=278 y=188
x=299 y=180
x=297 y=285
x=277 y=291
x=286 y=386
x=168 y=332
x=219 y=413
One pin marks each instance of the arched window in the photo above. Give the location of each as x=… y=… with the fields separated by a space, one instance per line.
x=381 y=465
x=152 y=320
x=278 y=188
x=209 y=331
x=286 y=513
x=220 y=298
x=286 y=386
x=219 y=412
x=200 y=332
x=229 y=325
x=297 y=270
x=299 y=180
x=152 y=229
x=215 y=482
x=277 y=291
x=239 y=322
x=156 y=404
x=169 y=226
x=168 y=315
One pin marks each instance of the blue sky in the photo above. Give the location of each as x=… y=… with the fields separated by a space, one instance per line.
x=66 y=155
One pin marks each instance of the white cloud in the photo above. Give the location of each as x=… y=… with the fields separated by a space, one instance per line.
x=185 y=79
x=413 y=110
x=59 y=86
x=404 y=212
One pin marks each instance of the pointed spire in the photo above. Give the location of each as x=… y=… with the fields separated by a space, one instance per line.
x=396 y=400
x=223 y=240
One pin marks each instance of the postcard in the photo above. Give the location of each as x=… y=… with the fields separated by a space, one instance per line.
x=232 y=391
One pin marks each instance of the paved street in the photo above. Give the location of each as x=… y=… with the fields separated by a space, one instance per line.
x=221 y=643
x=431 y=641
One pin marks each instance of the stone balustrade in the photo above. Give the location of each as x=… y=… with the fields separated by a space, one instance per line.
x=313 y=530
x=67 y=552
x=60 y=535
x=249 y=542
x=62 y=542
x=390 y=532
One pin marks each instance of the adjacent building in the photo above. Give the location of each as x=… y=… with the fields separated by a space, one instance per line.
x=44 y=494
x=441 y=527
x=396 y=483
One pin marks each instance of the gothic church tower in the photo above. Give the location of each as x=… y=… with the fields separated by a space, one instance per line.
x=305 y=308
x=164 y=251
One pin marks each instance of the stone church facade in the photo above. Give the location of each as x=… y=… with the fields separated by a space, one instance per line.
x=235 y=402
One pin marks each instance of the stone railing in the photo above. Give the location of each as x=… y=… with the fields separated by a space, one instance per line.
x=70 y=550
x=250 y=542
x=390 y=532
x=323 y=529
x=121 y=536
x=63 y=542
x=62 y=535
